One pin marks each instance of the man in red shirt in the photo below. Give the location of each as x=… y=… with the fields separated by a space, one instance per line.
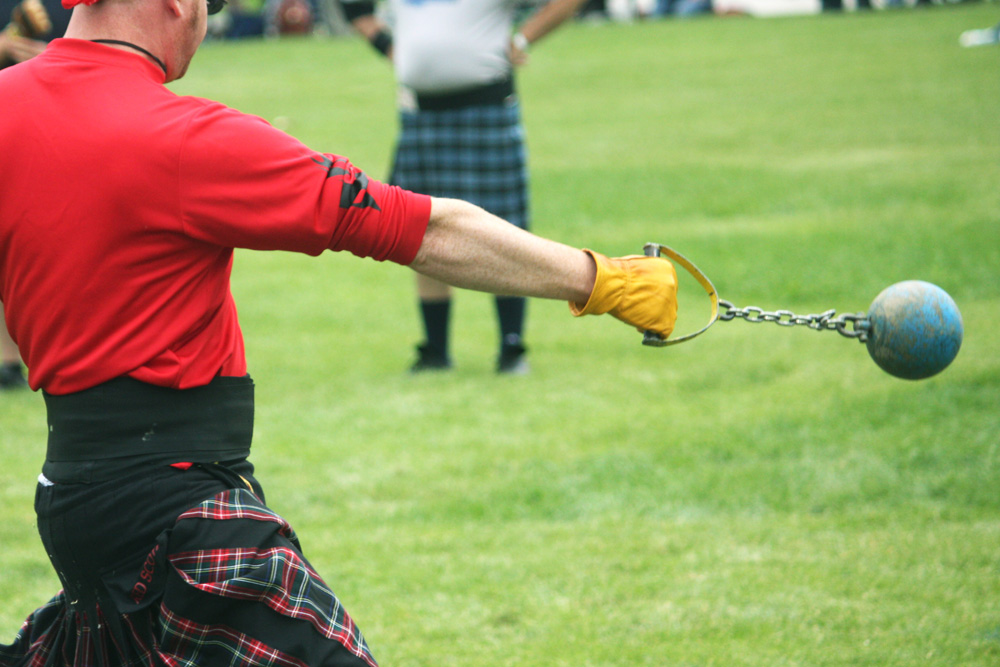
x=117 y=232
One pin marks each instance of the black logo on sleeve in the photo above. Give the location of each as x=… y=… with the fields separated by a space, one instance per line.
x=354 y=192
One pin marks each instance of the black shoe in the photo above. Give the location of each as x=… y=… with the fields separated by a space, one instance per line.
x=512 y=360
x=430 y=360
x=11 y=376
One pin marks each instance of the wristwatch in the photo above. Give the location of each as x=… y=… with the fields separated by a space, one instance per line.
x=520 y=42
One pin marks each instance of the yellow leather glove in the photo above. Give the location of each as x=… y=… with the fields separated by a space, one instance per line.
x=638 y=290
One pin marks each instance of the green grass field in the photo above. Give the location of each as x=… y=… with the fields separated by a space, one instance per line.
x=761 y=496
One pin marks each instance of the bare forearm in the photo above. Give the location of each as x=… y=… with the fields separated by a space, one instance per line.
x=18 y=49
x=549 y=17
x=367 y=26
x=467 y=247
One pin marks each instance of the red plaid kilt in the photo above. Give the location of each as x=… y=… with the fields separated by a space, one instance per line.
x=222 y=582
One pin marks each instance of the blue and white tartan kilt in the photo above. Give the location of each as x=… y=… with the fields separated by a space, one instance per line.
x=474 y=153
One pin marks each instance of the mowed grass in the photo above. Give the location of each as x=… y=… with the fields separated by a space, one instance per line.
x=759 y=496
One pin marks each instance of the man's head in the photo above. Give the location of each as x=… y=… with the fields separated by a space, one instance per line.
x=172 y=30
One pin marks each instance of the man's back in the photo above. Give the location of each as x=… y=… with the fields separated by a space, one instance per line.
x=129 y=200
x=94 y=142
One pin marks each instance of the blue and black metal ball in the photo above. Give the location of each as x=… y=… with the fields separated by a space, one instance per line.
x=915 y=330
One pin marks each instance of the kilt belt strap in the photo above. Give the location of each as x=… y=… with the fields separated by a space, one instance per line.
x=128 y=418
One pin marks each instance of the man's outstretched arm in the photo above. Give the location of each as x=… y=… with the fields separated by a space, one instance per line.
x=467 y=247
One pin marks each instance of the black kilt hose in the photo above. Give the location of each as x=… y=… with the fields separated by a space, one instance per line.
x=167 y=553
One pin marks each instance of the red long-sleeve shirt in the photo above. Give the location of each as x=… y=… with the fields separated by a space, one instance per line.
x=121 y=203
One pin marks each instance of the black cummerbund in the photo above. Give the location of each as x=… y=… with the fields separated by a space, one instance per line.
x=126 y=418
x=485 y=95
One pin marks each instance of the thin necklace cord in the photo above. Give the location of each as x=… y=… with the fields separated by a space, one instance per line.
x=133 y=46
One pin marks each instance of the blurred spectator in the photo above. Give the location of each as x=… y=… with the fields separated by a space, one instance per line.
x=838 y=5
x=594 y=9
x=461 y=132
x=683 y=8
x=30 y=25
x=291 y=17
x=240 y=18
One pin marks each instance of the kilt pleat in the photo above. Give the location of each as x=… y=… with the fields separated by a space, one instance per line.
x=474 y=153
x=225 y=584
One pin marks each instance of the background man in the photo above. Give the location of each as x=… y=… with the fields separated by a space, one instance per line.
x=461 y=133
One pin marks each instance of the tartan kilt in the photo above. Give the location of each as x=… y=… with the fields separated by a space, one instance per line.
x=220 y=581
x=473 y=153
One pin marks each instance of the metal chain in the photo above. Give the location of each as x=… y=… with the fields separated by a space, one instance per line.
x=851 y=326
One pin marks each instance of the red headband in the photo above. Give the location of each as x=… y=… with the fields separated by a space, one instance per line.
x=70 y=4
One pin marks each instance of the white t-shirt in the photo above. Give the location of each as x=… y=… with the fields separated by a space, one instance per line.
x=446 y=45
